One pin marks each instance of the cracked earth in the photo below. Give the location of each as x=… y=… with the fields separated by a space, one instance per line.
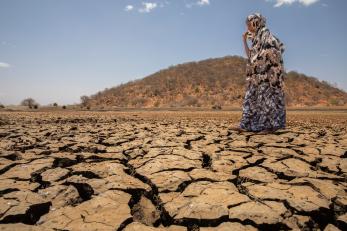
x=157 y=171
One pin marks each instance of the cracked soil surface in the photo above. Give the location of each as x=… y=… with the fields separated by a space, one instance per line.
x=171 y=170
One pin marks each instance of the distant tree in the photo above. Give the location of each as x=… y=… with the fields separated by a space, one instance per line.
x=64 y=107
x=29 y=102
x=55 y=105
x=84 y=100
x=36 y=106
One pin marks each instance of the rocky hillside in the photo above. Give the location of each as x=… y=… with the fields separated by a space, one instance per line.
x=217 y=81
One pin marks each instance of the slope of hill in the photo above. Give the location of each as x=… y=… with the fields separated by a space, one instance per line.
x=217 y=81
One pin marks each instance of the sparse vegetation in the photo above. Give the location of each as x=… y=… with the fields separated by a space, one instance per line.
x=29 y=102
x=55 y=105
x=333 y=102
x=206 y=83
x=84 y=100
x=1 y=105
x=64 y=107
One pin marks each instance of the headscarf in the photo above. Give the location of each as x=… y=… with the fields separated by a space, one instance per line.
x=257 y=20
x=263 y=39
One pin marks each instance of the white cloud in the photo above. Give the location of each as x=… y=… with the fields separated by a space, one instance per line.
x=290 y=2
x=308 y=2
x=4 y=65
x=198 y=3
x=203 y=2
x=129 y=8
x=148 y=7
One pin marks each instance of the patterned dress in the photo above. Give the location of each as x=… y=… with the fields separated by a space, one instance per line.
x=264 y=101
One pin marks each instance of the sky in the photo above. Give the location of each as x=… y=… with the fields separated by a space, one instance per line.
x=59 y=50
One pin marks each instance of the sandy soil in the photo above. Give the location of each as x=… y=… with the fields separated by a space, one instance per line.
x=171 y=170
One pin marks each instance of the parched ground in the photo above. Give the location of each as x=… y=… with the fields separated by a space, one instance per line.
x=171 y=170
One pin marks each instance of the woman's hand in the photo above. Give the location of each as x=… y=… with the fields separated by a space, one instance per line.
x=244 y=36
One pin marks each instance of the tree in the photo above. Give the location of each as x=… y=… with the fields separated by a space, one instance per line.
x=84 y=100
x=29 y=102
x=55 y=105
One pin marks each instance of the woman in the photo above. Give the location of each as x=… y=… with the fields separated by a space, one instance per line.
x=263 y=109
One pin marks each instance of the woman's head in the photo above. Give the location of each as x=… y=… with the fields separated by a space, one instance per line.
x=255 y=21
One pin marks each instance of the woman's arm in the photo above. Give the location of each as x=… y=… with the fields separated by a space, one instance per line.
x=244 y=36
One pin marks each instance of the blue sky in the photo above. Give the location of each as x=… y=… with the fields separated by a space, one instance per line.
x=58 y=50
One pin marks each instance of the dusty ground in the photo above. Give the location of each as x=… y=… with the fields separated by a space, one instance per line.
x=171 y=171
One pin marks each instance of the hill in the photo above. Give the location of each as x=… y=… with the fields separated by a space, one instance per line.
x=215 y=81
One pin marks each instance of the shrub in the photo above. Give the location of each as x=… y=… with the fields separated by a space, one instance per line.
x=84 y=100
x=29 y=102
x=156 y=104
x=55 y=105
x=64 y=107
x=333 y=102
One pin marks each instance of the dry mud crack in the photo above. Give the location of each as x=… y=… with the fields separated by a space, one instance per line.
x=170 y=171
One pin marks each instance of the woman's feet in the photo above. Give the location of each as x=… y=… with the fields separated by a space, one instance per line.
x=267 y=131
x=237 y=128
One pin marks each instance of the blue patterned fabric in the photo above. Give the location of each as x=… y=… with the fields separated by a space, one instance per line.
x=263 y=108
x=264 y=102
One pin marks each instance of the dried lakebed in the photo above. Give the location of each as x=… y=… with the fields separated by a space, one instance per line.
x=170 y=171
